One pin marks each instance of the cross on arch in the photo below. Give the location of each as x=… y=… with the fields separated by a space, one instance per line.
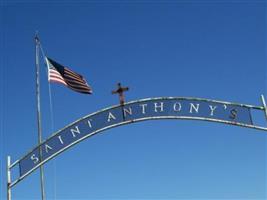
x=120 y=91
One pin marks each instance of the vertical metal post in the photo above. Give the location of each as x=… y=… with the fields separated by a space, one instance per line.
x=37 y=48
x=264 y=105
x=8 y=178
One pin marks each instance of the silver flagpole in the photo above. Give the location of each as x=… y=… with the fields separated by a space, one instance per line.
x=37 y=48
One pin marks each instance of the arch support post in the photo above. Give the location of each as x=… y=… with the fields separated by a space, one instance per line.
x=8 y=178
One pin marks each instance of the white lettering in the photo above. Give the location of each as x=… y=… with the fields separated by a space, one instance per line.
x=158 y=106
x=175 y=107
x=34 y=159
x=143 y=108
x=111 y=116
x=60 y=139
x=192 y=106
x=129 y=111
x=74 y=131
x=47 y=148
x=212 y=109
x=89 y=123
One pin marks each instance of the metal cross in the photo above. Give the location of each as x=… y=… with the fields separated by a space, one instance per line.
x=120 y=91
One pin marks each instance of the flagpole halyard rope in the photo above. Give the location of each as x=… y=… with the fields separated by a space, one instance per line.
x=52 y=130
x=49 y=90
x=51 y=114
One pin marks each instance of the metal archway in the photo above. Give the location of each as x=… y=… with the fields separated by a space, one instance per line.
x=134 y=111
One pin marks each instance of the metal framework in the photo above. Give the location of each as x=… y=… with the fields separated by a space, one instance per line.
x=10 y=165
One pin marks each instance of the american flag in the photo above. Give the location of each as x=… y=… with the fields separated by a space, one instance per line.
x=60 y=74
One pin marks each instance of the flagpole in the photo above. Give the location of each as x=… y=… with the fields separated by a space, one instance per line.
x=37 y=44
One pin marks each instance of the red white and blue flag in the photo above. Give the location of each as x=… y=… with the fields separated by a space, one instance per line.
x=60 y=74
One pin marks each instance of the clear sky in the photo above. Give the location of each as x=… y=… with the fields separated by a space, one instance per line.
x=208 y=49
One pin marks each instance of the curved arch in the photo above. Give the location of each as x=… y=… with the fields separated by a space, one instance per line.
x=135 y=111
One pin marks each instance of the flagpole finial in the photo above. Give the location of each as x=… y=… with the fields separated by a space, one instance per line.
x=36 y=37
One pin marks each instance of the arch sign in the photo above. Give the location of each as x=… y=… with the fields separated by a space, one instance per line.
x=140 y=110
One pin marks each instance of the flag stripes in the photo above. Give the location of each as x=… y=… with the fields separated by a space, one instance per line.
x=54 y=76
x=60 y=74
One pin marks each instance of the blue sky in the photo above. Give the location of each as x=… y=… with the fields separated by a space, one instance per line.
x=214 y=50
